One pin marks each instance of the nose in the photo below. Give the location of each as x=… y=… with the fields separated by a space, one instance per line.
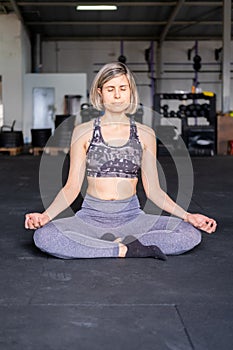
x=117 y=93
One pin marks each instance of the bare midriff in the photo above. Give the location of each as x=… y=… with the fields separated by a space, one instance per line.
x=109 y=188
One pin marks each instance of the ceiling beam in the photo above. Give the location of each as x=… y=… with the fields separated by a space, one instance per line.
x=95 y=23
x=74 y=4
x=119 y=23
x=127 y=38
x=171 y=20
x=124 y=3
x=204 y=3
x=203 y=19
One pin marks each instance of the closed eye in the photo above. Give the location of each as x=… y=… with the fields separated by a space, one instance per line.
x=122 y=88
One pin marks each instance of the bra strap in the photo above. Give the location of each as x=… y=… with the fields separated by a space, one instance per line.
x=97 y=122
x=97 y=136
x=133 y=129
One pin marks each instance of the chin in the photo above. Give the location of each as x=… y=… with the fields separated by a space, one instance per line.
x=121 y=108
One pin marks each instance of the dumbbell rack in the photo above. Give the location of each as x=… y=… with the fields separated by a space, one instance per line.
x=189 y=106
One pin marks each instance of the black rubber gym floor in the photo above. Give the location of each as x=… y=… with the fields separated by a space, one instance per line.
x=184 y=303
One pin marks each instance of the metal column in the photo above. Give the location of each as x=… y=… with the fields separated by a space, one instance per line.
x=226 y=64
x=158 y=67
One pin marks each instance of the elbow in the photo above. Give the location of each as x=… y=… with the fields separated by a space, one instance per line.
x=148 y=193
x=151 y=195
x=70 y=192
x=156 y=195
x=152 y=188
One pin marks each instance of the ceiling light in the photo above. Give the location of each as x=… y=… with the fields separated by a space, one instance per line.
x=96 y=7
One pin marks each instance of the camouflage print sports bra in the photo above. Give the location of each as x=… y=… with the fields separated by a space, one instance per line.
x=104 y=160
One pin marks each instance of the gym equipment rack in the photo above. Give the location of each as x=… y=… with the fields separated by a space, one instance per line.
x=199 y=139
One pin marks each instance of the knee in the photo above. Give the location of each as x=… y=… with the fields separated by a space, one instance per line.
x=191 y=237
x=37 y=237
x=194 y=232
x=42 y=236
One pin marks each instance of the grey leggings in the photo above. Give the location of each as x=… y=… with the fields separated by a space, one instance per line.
x=80 y=236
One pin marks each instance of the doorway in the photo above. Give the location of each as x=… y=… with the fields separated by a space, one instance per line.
x=43 y=107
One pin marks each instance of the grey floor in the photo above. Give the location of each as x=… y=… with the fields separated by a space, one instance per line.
x=184 y=303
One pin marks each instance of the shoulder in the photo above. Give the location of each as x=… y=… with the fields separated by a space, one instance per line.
x=146 y=134
x=82 y=135
x=83 y=131
x=145 y=130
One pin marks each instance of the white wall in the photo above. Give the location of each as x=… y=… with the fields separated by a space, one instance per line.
x=75 y=57
x=84 y=56
x=14 y=61
x=64 y=84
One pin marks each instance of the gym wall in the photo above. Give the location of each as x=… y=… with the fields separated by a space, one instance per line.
x=78 y=57
x=176 y=71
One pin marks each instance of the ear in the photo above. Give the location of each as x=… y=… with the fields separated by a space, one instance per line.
x=99 y=91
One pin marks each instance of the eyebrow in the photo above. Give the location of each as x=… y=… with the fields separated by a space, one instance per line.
x=111 y=86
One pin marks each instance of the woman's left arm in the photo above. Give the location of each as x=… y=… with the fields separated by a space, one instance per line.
x=155 y=193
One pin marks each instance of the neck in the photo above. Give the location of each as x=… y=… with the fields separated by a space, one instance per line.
x=114 y=117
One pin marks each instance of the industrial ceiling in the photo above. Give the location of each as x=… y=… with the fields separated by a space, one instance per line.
x=133 y=20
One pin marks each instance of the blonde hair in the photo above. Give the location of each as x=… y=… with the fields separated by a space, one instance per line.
x=106 y=73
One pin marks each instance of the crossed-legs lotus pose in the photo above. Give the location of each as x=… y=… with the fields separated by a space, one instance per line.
x=112 y=150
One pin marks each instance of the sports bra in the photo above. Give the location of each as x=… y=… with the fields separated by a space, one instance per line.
x=104 y=160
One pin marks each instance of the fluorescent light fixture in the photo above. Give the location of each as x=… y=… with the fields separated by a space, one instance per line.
x=96 y=7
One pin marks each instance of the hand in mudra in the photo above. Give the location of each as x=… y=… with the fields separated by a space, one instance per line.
x=36 y=220
x=201 y=222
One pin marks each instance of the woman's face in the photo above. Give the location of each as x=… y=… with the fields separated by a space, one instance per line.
x=116 y=94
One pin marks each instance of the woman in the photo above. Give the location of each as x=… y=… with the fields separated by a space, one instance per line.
x=111 y=150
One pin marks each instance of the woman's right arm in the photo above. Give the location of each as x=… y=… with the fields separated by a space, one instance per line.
x=71 y=189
